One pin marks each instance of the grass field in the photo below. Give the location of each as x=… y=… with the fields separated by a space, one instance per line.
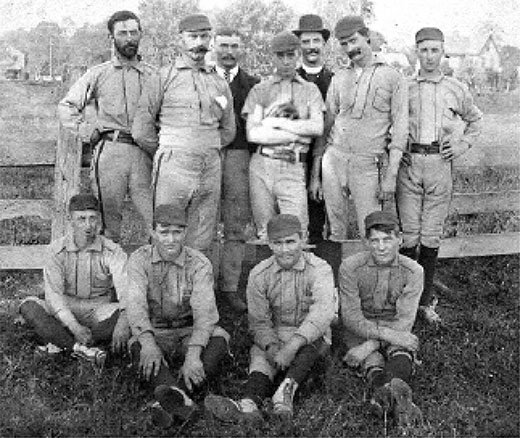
x=466 y=386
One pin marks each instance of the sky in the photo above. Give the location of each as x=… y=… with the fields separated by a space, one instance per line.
x=397 y=20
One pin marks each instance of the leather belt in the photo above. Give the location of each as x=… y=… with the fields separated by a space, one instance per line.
x=161 y=323
x=282 y=154
x=426 y=149
x=122 y=137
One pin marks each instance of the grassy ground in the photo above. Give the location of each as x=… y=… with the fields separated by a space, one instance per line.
x=467 y=384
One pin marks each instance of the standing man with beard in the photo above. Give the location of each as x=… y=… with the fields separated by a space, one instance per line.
x=438 y=104
x=193 y=108
x=367 y=111
x=313 y=38
x=235 y=204
x=119 y=165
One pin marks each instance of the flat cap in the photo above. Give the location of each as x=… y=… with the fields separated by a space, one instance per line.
x=285 y=41
x=167 y=214
x=311 y=23
x=348 y=26
x=194 y=22
x=429 y=33
x=380 y=218
x=283 y=225
x=83 y=202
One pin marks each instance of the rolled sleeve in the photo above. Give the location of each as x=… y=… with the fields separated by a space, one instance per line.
x=321 y=311
x=351 y=311
x=259 y=313
x=399 y=115
x=136 y=299
x=204 y=307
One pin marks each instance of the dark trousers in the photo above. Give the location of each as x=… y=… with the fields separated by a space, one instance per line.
x=399 y=365
x=49 y=329
x=259 y=386
x=212 y=357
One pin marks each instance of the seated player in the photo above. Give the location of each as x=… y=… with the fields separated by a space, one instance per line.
x=173 y=314
x=290 y=301
x=81 y=306
x=379 y=295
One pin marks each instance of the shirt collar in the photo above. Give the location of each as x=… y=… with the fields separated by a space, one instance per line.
x=312 y=70
x=371 y=261
x=71 y=246
x=136 y=63
x=299 y=266
x=179 y=261
x=435 y=79
x=181 y=64
x=296 y=78
x=232 y=73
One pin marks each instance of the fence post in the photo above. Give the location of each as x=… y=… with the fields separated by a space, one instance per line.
x=66 y=177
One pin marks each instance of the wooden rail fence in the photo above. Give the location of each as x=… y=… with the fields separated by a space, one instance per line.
x=55 y=146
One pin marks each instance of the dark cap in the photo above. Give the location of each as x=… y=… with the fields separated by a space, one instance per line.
x=283 y=225
x=83 y=202
x=311 y=23
x=429 y=33
x=285 y=41
x=348 y=26
x=194 y=22
x=380 y=218
x=167 y=214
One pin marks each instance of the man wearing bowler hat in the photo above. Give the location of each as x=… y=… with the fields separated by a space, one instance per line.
x=437 y=105
x=367 y=113
x=187 y=112
x=284 y=114
x=173 y=315
x=290 y=299
x=379 y=295
x=313 y=37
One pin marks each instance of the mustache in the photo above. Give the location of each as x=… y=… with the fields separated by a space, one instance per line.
x=309 y=51
x=199 y=49
x=354 y=53
x=230 y=57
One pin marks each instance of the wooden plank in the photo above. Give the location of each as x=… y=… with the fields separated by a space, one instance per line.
x=66 y=177
x=466 y=203
x=11 y=208
x=28 y=153
x=480 y=245
x=23 y=257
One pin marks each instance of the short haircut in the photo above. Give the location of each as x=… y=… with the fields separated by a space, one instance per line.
x=385 y=228
x=122 y=16
x=228 y=31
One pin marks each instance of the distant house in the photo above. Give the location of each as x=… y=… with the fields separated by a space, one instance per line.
x=475 y=60
x=12 y=62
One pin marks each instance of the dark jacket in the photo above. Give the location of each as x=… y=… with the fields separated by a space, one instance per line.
x=322 y=79
x=240 y=87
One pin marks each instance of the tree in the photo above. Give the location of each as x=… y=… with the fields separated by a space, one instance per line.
x=258 y=22
x=160 y=22
x=510 y=63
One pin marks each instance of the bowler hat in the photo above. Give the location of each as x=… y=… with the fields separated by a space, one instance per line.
x=311 y=23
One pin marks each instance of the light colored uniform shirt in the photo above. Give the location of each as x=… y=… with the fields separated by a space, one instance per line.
x=372 y=295
x=176 y=294
x=305 y=96
x=369 y=113
x=300 y=299
x=115 y=86
x=193 y=109
x=88 y=274
x=437 y=107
